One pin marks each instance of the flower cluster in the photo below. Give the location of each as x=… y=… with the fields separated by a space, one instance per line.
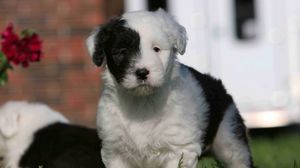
x=21 y=50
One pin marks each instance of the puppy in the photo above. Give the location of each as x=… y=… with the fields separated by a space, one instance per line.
x=154 y=110
x=33 y=135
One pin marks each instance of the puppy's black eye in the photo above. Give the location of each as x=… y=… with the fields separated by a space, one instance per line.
x=123 y=51
x=119 y=55
x=156 y=49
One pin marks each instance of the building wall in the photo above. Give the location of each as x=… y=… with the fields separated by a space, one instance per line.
x=65 y=78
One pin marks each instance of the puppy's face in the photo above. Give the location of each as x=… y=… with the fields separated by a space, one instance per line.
x=139 y=49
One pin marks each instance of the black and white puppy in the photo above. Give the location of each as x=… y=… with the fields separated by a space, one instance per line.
x=33 y=135
x=154 y=109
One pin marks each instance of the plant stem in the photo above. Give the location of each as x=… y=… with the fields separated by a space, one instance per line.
x=4 y=68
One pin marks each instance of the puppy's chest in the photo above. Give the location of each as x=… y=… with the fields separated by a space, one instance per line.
x=143 y=137
x=176 y=124
x=154 y=136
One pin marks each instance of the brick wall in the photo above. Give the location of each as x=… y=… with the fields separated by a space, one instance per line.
x=65 y=78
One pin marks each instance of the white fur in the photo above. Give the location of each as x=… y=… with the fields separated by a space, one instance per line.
x=226 y=146
x=151 y=123
x=18 y=122
x=146 y=132
x=90 y=42
x=147 y=124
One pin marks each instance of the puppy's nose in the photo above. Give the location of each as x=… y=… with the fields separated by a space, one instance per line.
x=142 y=73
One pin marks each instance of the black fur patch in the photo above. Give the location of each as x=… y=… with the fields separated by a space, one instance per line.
x=218 y=100
x=240 y=131
x=63 y=146
x=239 y=128
x=119 y=45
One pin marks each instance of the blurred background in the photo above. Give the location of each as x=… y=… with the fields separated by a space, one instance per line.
x=65 y=78
x=252 y=45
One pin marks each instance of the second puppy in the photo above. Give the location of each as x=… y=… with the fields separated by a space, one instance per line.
x=33 y=135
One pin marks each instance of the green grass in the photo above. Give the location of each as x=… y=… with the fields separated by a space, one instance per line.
x=209 y=162
x=281 y=150
x=277 y=152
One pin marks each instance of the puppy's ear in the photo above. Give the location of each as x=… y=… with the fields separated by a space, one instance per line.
x=9 y=124
x=176 y=32
x=95 y=46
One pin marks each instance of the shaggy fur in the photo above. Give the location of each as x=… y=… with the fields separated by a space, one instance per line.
x=33 y=135
x=18 y=122
x=62 y=145
x=149 y=119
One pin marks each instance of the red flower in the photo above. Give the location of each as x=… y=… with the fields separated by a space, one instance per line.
x=21 y=51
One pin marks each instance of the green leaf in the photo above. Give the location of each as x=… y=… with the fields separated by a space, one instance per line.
x=4 y=62
x=4 y=65
x=27 y=32
x=180 y=163
x=3 y=78
x=1 y=56
x=3 y=59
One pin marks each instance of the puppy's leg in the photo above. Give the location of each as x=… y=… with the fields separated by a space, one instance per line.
x=117 y=162
x=113 y=160
x=231 y=144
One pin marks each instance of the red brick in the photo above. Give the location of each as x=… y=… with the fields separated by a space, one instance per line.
x=65 y=78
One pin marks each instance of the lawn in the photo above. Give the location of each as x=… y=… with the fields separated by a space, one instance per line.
x=271 y=148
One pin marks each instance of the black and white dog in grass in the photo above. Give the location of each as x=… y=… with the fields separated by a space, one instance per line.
x=33 y=135
x=153 y=109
